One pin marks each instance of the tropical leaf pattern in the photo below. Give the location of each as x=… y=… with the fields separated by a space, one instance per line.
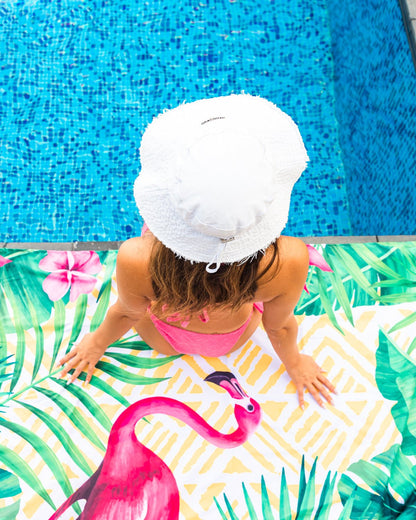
x=359 y=321
x=390 y=477
x=363 y=274
x=390 y=492
x=307 y=507
x=9 y=488
x=26 y=307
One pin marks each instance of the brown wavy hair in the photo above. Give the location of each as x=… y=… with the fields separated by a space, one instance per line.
x=186 y=288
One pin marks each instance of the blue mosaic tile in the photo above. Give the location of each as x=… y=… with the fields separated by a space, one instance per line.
x=80 y=80
x=375 y=89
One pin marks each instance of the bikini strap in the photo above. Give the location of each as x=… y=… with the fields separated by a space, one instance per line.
x=204 y=317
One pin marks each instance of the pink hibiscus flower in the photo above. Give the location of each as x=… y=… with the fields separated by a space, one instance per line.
x=4 y=261
x=69 y=269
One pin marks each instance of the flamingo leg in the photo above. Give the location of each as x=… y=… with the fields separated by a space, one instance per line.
x=82 y=493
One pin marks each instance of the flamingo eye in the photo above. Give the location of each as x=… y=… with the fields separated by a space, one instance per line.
x=250 y=408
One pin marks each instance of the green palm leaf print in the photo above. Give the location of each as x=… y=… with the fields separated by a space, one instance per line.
x=395 y=377
x=363 y=274
x=390 y=491
x=306 y=507
x=390 y=478
x=9 y=487
x=28 y=308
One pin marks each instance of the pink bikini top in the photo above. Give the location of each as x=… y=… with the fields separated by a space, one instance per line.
x=188 y=342
x=186 y=319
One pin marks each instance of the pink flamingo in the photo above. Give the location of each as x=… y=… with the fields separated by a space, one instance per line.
x=132 y=482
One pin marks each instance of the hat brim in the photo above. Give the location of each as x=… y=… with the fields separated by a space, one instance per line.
x=164 y=221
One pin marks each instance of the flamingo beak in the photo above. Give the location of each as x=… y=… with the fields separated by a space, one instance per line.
x=228 y=381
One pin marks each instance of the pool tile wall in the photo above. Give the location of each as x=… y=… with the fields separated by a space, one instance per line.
x=375 y=91
x=80 y=80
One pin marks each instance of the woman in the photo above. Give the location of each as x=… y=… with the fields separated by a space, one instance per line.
x=214 y=191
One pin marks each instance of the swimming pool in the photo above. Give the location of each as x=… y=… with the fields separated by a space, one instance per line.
x=375 y=92
x=80 y=80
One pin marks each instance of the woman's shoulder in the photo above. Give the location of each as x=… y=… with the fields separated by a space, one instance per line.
x=293 y=253
x=133 y=248
x=290 y=267
x=133 y=262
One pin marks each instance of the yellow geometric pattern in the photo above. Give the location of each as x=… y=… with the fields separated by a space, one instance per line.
x=358 y=426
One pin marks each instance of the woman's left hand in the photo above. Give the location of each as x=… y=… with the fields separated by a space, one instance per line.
x=307 y=374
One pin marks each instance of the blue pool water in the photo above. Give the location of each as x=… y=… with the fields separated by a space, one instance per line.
x=375 y=92
x=80 y=80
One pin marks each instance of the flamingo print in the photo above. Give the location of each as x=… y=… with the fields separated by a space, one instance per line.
x=132 y=482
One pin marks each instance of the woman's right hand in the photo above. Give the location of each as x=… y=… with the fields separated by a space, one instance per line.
x=83 y=356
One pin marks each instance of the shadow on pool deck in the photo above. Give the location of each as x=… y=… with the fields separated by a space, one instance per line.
x=105 y=246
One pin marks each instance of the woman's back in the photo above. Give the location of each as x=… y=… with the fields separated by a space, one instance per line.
x=292 y=256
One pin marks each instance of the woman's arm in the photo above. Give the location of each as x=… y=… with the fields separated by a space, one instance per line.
x=282 y=328
x=128 y=309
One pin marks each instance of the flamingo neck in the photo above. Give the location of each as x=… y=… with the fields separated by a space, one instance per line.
x=124 y=426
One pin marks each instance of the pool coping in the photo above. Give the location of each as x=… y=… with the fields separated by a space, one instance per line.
x=408 y=8
x=114 y=245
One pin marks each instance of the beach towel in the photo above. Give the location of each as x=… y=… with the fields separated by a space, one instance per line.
x=192 y=437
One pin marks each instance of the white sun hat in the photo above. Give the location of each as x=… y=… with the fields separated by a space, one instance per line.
x=217 y=175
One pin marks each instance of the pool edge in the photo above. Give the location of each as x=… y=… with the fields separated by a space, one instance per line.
x=408 y=8
x=114 y=245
